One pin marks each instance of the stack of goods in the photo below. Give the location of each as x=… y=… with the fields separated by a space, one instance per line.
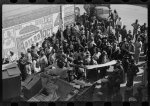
x=32 y=86
x=54 y=89
x=82 y=83
x=47 y=94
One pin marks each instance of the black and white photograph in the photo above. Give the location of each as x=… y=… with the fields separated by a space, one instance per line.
x=74 y=52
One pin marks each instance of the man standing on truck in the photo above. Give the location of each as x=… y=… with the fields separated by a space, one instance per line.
x=115 y=15
x=118 y=27
x=135 y=28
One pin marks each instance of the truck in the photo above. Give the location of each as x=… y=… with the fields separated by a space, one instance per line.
x=101 y=11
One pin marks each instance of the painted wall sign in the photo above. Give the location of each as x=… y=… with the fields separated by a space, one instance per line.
x=25 y=28
x=8 y=42
x=46 y=33
x=33 y=30
x=68 y=14
x=35 y=37
x=69 y=20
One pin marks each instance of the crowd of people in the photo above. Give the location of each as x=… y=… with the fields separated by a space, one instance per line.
x=89 y=41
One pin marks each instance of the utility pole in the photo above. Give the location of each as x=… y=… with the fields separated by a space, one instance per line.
x=61 y=23
x=61 y=19
x=74 y=13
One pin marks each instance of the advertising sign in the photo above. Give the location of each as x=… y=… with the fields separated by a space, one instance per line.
x=24 y=35
x=46 y=33
x=68 y=14
x=8 y=41
x=69 y=20
x=68 y=10
x=35 y=37
x=28 y=27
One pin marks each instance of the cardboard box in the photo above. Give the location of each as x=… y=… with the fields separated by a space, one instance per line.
x=11 y=81
x=32 y=86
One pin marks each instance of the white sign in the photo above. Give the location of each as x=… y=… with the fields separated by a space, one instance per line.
x=113 y=62
x=8 y=39
x=38 y=23
x=37 y=37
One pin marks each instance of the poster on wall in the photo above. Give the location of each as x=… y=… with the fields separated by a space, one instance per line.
x=56 y=22
x=28 y=27
x=25 y=34
x=26 y=30
x=68 y=14
x=35 y=32
x=34 y=38
x=46 y=33
x=69 y=20
x=8 y=42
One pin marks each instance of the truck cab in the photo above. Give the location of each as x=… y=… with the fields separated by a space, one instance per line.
x=101 y=11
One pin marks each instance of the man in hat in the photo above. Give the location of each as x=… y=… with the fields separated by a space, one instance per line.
x=118 y=28
x=67 y=33
x=125 y=48
x=36 y=65
x=131 y=73
x=104 y=44
x=97 y=54
x=113 y=83
x=120 y=71
x=12 y=57
x=115 y=52
x=143 y=28
x=129 y=36
x=123 y=32
x=22 y=64
x=43 y=61
x=83 y=41
x=135 y=27
x=91 y=46
x=81 y=72
x=109 y=50
x=37 y=47
x=137 y=35
x=34 y=51
x=86 y=51
x=99 y=43
x=58 y=34
x=131 y=47
x=102 y=60
x=61 y=55
x=87 y=59
x=29 y=57
x=29 y=61
x=110 y=29
x=78 y=64
x=119 y=23
x=65 y=47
